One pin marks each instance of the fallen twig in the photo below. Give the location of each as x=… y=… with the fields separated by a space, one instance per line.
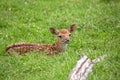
x=83 y=67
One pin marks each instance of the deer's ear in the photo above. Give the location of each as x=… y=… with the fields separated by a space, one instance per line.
x=53 y=31
x=72 y=28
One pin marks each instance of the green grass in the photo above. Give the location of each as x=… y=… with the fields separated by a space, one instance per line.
x=97 y=33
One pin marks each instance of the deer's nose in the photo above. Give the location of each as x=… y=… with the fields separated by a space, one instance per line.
x=67 y=40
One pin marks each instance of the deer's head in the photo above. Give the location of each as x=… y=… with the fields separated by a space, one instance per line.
x=63 y=34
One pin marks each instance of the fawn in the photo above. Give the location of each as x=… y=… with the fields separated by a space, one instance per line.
x=51 y=49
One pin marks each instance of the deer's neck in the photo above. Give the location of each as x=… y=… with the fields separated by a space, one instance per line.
x=60 y=47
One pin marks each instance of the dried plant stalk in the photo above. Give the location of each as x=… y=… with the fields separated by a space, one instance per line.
x=83 y=67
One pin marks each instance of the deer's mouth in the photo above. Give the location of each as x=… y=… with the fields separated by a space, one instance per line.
x=67 y=41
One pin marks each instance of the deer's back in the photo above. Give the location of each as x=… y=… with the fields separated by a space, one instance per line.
x=21 y=47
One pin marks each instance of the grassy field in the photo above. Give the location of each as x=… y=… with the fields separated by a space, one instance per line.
x=97 y=33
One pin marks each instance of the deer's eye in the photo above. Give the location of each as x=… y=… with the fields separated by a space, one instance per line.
x=59 y=36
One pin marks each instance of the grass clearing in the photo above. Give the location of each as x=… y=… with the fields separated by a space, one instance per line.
x=97 y=33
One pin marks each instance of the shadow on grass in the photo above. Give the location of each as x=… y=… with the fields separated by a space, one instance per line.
x=108 y=1
x=3 y=24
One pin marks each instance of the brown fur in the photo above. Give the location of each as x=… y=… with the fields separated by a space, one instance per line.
x=50 y=49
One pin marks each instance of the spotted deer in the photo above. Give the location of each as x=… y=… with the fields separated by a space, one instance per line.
x=63 y=38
